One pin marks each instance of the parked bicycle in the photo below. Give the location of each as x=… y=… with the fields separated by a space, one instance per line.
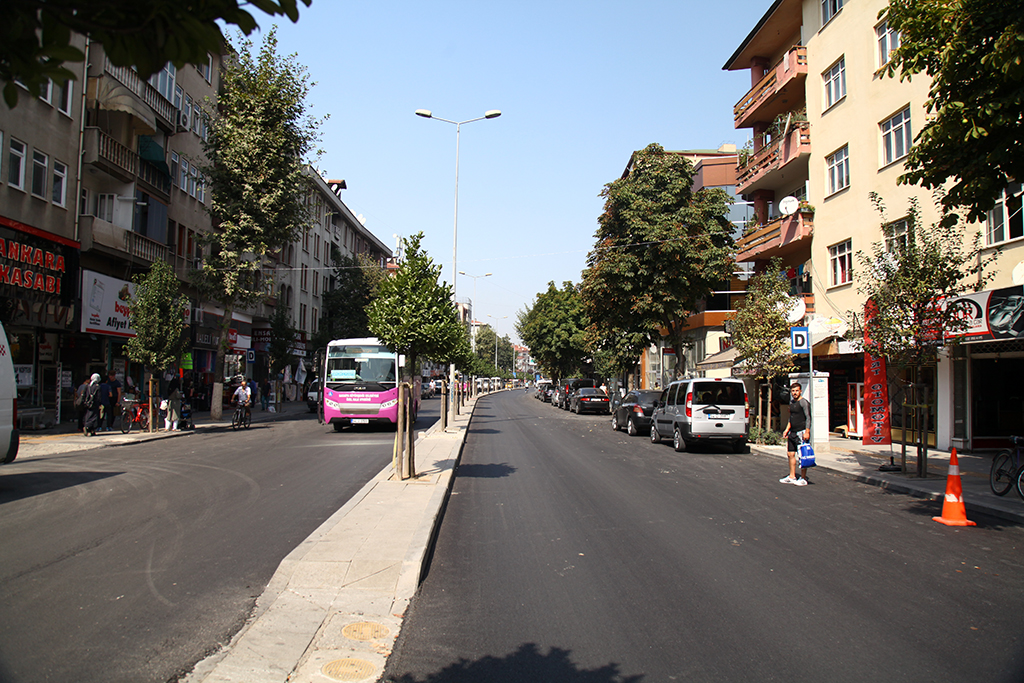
x=1008 y=469
x=241 y=418
x=134 y=412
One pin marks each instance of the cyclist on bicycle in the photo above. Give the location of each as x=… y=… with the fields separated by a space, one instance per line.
x=243 y=397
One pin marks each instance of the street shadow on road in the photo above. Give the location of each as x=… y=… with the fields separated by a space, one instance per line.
x=486 y=471
x=527 y=663
x=20 y=486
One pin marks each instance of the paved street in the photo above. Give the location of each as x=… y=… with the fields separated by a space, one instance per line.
x=132 y=563
x=569 y=552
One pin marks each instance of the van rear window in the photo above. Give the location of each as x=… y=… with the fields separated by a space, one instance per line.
x=718 y=393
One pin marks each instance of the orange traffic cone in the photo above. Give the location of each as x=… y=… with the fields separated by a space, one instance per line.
x=953 y=511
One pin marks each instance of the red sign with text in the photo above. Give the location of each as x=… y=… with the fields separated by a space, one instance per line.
x=877 y=425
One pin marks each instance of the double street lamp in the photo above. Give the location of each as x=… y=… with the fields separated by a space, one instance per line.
x=427 y=114
x=504 y=317
x=475 y=278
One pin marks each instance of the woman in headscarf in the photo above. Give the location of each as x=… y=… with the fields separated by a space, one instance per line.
x=92 y=405
x=173 y=405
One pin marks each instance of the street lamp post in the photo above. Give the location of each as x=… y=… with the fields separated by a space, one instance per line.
x=475 y=278
x=504 y=317
x=427 y=114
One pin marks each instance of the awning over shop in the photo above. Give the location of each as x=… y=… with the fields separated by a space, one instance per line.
x=720 y=360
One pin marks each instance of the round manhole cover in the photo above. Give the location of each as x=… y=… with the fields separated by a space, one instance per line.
x=365 y=630
x=348 y=669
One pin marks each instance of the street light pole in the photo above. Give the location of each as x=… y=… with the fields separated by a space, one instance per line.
x=504 y=317
x=427 y=114
x=475 y=278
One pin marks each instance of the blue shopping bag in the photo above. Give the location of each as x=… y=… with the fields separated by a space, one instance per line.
x=806 y=455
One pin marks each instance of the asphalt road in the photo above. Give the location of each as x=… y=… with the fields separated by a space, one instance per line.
x=572 y=553
x=133 y=563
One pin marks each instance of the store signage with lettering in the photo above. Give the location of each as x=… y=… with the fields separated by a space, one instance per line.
x=992 y=314
x=37 y=265
x=105 y=307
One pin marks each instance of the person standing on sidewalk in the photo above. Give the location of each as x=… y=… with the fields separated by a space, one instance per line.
x=797 y=431
x=115 y=398
x=105 y=406
x=92 y=405
x=173 y=405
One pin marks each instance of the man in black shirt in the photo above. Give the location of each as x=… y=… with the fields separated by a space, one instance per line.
x=797 y=431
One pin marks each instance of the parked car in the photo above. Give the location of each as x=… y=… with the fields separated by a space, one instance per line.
x=589 y=400
x=567 y=387
x=633 y=412
x=702 y=410
x=313 y=396
x=542 y=388
x=548 y=393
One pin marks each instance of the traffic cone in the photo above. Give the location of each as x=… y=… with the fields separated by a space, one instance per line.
x=953 y=511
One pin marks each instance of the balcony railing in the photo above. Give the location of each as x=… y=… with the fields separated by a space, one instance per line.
x=130 y=79
x=792 y=66
x=773 y=156
x=778 y=238
x=115 y=157
x=145 y=248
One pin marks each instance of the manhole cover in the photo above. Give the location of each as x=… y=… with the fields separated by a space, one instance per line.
x=365 y=630
x=348 y=669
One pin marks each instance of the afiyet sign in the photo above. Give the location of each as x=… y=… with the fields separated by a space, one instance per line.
x=105 y=307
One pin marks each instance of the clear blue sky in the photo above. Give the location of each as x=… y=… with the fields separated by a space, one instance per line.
x=581 y=85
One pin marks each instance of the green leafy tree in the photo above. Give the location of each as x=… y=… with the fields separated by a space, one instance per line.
x=913 y=281
x=761 y=331
x=344 y=315
x=282 y=339
x=256 y=175
x=35 y=36
x=660 y=249
x=974 y=52
x=157 y=314
x=554 y=329
x=413 y=312
x=486 y=339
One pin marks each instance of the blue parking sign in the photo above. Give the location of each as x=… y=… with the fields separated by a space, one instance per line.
x=800 y=339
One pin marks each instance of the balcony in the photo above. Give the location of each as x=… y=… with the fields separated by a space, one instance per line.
x=130 y=79
x=109 y=154
x=781 y=90
x=96 y=232
x=766 y=164
x=781 y=237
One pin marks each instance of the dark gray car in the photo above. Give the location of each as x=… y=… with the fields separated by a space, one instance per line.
x=633 y=412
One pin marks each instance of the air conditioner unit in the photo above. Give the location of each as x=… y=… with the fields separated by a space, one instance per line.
x=182 y=122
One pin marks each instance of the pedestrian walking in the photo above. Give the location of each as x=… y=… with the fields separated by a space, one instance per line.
x=105 y=406
x=93 y=405
x=797 y=431
x=80 y=408
x=115 y=398
x=173 y=405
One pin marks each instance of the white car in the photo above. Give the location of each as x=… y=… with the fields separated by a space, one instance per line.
x=9 y=439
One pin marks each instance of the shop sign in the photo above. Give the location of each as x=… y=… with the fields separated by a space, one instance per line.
x=877 y=424
x=35 y=262
x=23 y=375
x=992 y=314
x=105 y=304
x=261 y=336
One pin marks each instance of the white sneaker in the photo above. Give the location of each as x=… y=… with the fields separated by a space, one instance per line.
x=787 y=480
x=800 y=482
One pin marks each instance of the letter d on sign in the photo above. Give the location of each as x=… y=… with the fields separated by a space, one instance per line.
x=800 y=339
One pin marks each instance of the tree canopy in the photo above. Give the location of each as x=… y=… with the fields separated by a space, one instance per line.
x=974 y=52
x=413 y=312
x=35 y=37
x=660 y=248
x=157 y=314
x=554 y=329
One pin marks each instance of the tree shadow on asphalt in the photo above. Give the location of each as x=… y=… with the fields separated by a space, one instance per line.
x=527 y=663
x=485 y=471
x=25 y=485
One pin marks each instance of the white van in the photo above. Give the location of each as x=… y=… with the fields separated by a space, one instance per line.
x=702 y=410
x=8 y=403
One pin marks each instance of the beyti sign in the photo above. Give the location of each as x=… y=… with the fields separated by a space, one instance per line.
x=105 y=307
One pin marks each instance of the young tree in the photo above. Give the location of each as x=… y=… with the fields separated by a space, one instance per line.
x=282 y=338
x=35 y=36
x=974 y=52
x=913 y=281
x=660 y=249
x=256 y=173
x=157 y=314
x=761 y=331
x=554 y=329
x=413 y=312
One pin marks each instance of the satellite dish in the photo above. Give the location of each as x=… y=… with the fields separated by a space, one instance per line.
x=794 y=309
x=789 y=205
x=1018 y=274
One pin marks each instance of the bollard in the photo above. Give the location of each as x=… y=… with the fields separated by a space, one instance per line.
x=444 y=405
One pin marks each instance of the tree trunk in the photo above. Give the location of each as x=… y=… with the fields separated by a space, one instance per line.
x=217 y=397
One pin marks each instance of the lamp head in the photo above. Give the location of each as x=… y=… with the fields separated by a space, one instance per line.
x=426 y=113
x=492 y=114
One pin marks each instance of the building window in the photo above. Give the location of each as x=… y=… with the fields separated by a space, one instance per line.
x=840 y=258
x=838 y=170
x=206 y=69
x=192 y=178
x=174 y=168
x=896 y=137
x=835 y=82
x=60 y=182
x=888 y=42
x=197 y=119
x=830 y=8
x=105 y=207
x=305 y=241
x=316 y=285
x=40 y=165
x=896 y=235
x=1004 y=220
x=183 y=182
x=163 y=81
x=46 y=91
x=304 y=277
x=302 y=317
x=16 y=165
x=66 y=93
x=316 y=247
x=83 y=202
x=313 y=321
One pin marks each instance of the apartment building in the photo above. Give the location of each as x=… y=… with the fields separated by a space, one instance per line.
x=829 y=128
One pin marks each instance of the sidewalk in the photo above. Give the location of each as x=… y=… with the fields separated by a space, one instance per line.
x=65 y=437
x=850 y=458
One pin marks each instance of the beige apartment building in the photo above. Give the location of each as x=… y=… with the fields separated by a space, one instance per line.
x=829 y=128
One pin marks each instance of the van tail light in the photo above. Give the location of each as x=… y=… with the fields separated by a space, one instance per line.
x=746 y=405
x=689 y=404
